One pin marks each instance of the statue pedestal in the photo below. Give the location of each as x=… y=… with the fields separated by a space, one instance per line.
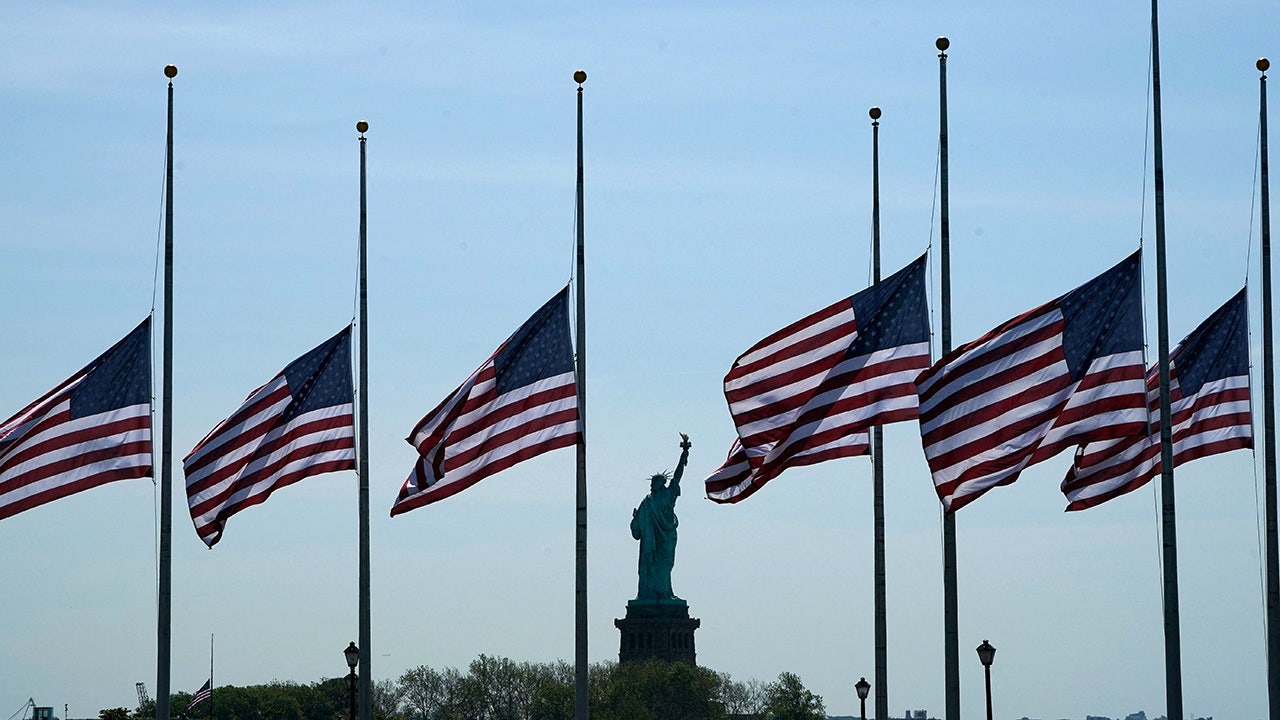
x=661 y=630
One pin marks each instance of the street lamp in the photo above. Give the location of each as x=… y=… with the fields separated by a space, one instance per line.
x=863 y=687
x=987 y=655
x=352 y=654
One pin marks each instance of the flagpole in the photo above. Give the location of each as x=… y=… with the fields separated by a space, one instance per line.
x=210 y=675
x=580 y=686
x=951 y=630
x=877 y=451
x=166 y=431
x=1269 y=415
x=1172 y=633
x=362 y=462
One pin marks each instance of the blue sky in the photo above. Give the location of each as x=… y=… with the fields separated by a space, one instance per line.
x=728 y=194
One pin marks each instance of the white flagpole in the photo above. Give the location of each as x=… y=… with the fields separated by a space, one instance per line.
x=580 y=680
x=877 y=458
x=950 y=604
x=1169 y=529
x=1269 y=414
x=362 y=463
x=165 y=581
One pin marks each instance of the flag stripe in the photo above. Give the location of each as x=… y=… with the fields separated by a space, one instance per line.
x=1216 y=420
x=1014 y=338
x=235 y=435
x=975 y=385
x=442 y=490
x=857 y=383
x=732 y=482
x=64 y=442
x=292 y=444
x=257 y=459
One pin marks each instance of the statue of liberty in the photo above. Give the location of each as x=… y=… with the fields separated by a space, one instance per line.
x=654 y=525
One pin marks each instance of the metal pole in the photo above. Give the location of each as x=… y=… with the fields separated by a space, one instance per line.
x=951 y=619
x=877 y=456
x=352 y=681
x=1172 y=633
x=988 y=672
x=362 y=463
x=580 y=687
x=165 y=590
x=1269 y=416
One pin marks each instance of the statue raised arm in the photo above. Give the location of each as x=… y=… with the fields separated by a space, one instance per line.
x=654 y=525
x=684 y=458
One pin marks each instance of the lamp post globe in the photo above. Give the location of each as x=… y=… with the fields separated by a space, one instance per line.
x=987 y=655
x=863 y=687
x=352 y=654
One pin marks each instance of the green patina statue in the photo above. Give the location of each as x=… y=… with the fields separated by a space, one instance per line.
x=654 y=525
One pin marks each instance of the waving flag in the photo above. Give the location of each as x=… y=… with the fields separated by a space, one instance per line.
x=733 y=480
x=522 y=402
x=811 y=391
x=92 y=429
x=299 y=424
x=1209 y=400
x=1068 y=372
x=204 y=693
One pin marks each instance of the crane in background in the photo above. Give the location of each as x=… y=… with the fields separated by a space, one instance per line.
x=24 y=709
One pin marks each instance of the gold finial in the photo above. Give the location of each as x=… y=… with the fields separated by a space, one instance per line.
x=171 y=71
x=1263 y=64
x=580 y=76
x=942 y=43
x=874 y=112
x=362 y=127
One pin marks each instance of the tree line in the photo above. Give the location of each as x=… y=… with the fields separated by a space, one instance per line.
x=497 y=688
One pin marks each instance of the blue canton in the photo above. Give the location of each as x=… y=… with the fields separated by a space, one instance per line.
x=1218 y=349
x=539 y=349
x=321 y=378
x=121 y=377
x=891 y=313
x=1103 y=317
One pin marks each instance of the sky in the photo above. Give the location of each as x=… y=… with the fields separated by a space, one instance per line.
x=728 y=193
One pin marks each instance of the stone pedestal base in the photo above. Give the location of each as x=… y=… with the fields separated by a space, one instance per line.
x=658 y=630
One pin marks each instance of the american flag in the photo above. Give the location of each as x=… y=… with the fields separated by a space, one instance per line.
x=204 y=693
x=1067 y=372
x=92 y=429
x=811 y=391
x=522 y=402
x=1209 y=400
x=299 y=424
